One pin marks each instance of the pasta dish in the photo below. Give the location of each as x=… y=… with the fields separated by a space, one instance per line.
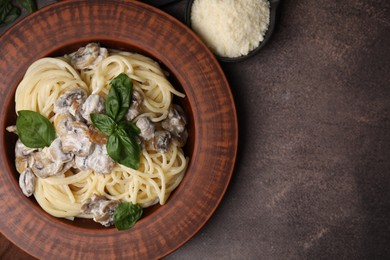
x=116 y=135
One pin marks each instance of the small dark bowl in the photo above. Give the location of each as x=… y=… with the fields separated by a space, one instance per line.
x=273 y=8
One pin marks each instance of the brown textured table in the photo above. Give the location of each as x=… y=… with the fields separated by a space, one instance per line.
x=312 y=179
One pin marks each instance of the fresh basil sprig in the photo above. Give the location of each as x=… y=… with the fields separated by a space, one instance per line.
x=9 y=12
x=104 y=123
x=124 y=149
x=122 y=145
x=126 y=215
x=12 y=15
x=29 y=5
x=119 y=97
x=34 y=130
x=129 y=127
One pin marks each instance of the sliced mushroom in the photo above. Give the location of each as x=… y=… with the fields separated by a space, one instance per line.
x=52 y=160
x=96 y=136
x=57 y=153
x=147 y=128
x=62 y=123
x=76 y=141
x=101 y=209
x=175 y=123
x=12 y=129
x=162 y=140
x=176 y=120
x=98 y=161
x=88 y=57
x=70 y=102
x=27 y=182
x=81 y=162
x=22 y=163
x=23 y=156
x=180 y=140
x=44 y=166
x=136 y=105
x=21 y=150
x=93 y=104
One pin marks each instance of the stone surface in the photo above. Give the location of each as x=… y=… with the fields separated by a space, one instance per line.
x=312 y=178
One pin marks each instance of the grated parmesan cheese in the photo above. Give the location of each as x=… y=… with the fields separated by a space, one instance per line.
x=230 y=28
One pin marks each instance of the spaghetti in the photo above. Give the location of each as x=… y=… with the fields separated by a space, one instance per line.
x=159 y=173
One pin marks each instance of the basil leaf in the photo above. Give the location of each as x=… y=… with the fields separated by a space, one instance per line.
x=129 y=127
x=126 y=215
x=5 y=8
x=112 y=103
x=34 y=130
x=12 y=15
x=122 y=86
x=120 y=131
x=131 y=156
x=114 y=148
x=4 y=2
x=104 y=123
x=8 y=12
x=29 y=5
x=122 y=145
x=124 y=149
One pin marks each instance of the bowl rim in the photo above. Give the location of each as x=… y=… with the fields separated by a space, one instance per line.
x=267 y=36
x=160 y=3
x=14 y=35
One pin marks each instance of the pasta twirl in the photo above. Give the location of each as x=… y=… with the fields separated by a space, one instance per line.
x=159 y=173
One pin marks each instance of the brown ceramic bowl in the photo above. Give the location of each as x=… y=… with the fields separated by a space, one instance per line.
x=133 y=26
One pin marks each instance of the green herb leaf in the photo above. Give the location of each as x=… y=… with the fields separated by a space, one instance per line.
x=126 y=215
x=5 y=8
x=129 y=127
x=114 y=148
x=112 y=103
x=131 y=151
x=34 y=130
x=29 y=5
x=122 y=145
x=12 y=15
x=119 y=97
x=8 y=12
x=124 y=149
x=104 y=123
